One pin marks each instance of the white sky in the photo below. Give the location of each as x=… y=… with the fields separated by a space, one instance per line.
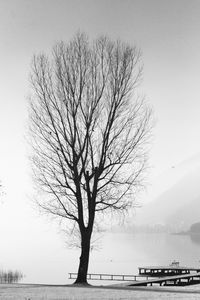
x=167 y=33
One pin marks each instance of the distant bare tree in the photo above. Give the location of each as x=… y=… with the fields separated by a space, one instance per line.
x=10 y=276
x=89 y=132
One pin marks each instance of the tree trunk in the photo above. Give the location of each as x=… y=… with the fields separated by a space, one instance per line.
x=84 y=259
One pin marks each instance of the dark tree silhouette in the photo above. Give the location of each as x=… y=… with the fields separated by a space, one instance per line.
x=89 y=131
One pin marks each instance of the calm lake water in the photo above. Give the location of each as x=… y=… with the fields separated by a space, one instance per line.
x=124 y=253
x=118 y=253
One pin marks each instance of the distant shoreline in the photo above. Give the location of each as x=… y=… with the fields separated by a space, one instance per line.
x=186 y=233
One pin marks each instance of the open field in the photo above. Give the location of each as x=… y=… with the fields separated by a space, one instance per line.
x=53 y=292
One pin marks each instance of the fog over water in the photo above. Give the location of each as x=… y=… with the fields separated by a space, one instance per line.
x=119 y=253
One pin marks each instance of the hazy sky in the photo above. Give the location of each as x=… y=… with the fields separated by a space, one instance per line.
x=167 y=33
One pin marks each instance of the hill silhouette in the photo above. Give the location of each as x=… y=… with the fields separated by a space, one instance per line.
x=179 y=206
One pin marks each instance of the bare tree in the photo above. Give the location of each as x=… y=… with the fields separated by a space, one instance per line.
x=89 y=132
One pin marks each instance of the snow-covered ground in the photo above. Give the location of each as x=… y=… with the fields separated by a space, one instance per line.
x=45 y=292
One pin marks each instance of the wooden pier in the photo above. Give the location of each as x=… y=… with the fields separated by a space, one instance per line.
x=173 y=275
x=114 y=277
x=179 y=280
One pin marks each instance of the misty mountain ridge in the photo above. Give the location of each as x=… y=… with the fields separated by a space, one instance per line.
x=178 y=207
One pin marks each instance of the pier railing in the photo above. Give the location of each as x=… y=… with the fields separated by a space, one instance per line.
x=114 y=277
